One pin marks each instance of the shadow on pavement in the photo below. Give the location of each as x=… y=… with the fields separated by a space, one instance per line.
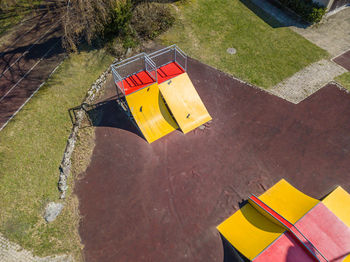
x=274 y=14
x=230 y=253
x=107 y=113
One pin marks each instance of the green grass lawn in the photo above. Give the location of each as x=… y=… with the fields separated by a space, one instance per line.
x=344 y=80
x=31 y=150
x=11 y=14
x=265 y=55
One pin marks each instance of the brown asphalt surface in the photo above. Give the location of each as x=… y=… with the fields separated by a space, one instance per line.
x=162 y=201
x=37 y=40
x=343 y=60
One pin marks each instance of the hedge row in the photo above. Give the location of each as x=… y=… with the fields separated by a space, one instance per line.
x=307 y=9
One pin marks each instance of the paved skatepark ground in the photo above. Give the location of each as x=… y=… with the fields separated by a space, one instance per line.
x=163 y=201
x=343 y=60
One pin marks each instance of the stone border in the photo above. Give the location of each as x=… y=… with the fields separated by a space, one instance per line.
x=65 y=166
x=333 y=82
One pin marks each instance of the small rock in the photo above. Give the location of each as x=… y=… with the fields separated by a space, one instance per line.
x=52 y=210
x=202 y=127
x=231 y=50
x=128 y=52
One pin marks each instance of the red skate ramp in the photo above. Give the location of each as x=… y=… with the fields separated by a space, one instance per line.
x=325 y=233
x=339 y=203
x=169 y=71
x=162 y=201
x=137 y=81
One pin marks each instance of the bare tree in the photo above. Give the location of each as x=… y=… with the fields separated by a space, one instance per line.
x=83 y=19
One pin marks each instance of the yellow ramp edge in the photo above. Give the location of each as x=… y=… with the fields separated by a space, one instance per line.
x=288 y=201
x=339 y=203
x=184 y=102
x=150 y=113
x=249 y=231
x=266 y=214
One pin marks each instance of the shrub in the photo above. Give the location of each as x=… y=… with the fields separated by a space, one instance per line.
x=151 y=19
x=316 y=14
x=307 y=9
x=119 y=20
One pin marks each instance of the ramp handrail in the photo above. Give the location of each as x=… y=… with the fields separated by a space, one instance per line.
x=176 y=51
x=146 y=64
x=256 y=202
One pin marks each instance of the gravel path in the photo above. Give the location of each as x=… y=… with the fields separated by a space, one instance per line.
x=332 y=34
x=11 y=252
x=307 y=81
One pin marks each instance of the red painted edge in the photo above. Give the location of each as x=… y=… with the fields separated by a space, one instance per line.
x=291 y=228
x=271 y=212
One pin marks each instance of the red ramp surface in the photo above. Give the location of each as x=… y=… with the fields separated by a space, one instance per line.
x=325 y=233
x=169 y=71
x=137 y=81
x=142 y=79
x=285 y=249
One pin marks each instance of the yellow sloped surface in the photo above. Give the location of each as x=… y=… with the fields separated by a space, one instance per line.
x=339 y=203
x=249 y=231
x=150 y=113
x=184 y=102
x=288 y=201
x=347 y=259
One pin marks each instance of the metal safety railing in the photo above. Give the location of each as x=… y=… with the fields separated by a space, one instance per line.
x=168 y=55
x=131 y=66
x=150 y=63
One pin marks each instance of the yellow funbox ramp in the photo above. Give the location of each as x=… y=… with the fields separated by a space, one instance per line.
x=249 y=231
x=288 y=201
x=184 y=102
x=150 y=113
x=339 y=203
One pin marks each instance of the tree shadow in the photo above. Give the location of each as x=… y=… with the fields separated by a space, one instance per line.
x=31 y=51
x=274 y=14
x=108 y=113
x=30 y=12
x=16 y=63
x=230 y=253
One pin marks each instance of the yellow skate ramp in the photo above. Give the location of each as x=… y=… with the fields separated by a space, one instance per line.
x=339 y=203
x=346 y=259
x=288 y=201
x=249 y=231
x=184 y=102
x=150 y=113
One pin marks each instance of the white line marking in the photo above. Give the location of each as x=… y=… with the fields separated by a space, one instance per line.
x=25 y=102
x=27 y=51
x=2 y=98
